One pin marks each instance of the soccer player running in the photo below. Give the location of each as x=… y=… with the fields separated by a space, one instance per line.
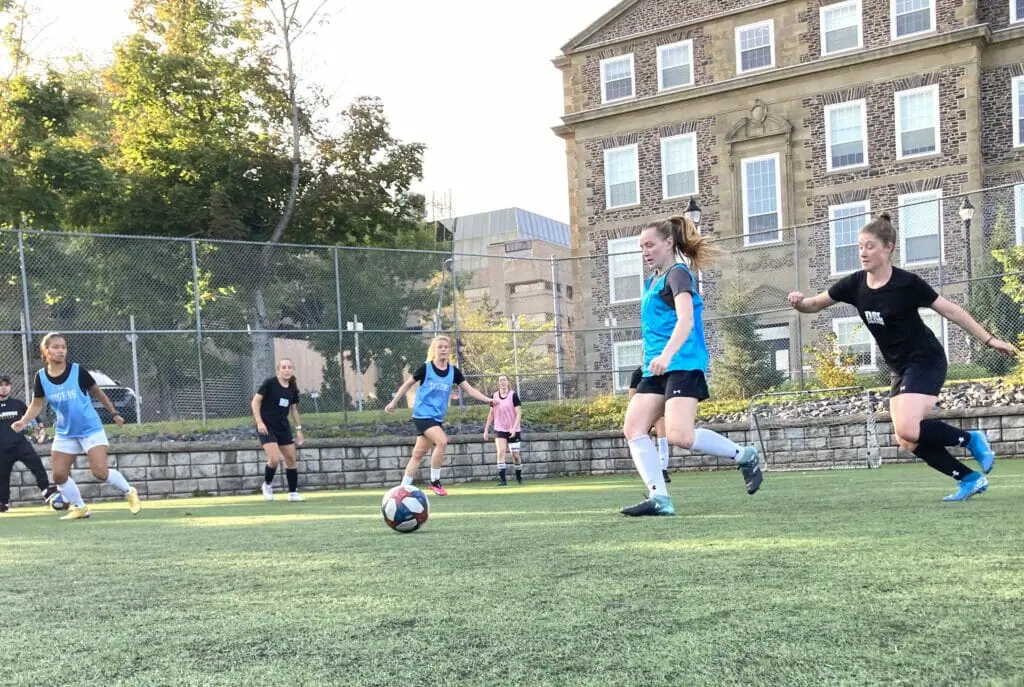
x=273 y=402
x=507 y=414
x=437 y=376
x=675 y=362
x=659 y=426
x=14 y=447
x=887 y=300
x=69 y=389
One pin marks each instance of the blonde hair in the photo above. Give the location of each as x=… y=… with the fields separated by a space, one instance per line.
x=882 y=229
x=687 y=241
x=432 y=351
x=46 y=342
x=292 y=384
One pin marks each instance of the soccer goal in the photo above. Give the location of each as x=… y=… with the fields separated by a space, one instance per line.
x=817 y=433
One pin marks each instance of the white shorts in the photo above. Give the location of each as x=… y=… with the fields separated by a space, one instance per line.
x=81 y=445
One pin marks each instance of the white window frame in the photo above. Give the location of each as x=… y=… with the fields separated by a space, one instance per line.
x=866 y=205
x=1018 y=213
x=825 y=9
x=770 y=23
x=632 y=75
x=827 y=112
x=607 y=180
x=1016 y=92
x=934 y=89
x=943 y=335
x=634 y=245
x=912 y=199
x=892 y=21
x=766 y=332
x=836 y=321
x=1014 y=17
x=616 y=347
x=692 y=138
x=778 y=198
x=688 y=44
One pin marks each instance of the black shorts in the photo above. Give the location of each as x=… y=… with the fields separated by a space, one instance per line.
x=276 y=436
x=515 y=440
x=676 y=384
x=920 y=377
x=502 y=435
x=423 y=424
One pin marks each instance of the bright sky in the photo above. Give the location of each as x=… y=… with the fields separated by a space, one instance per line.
x=478 y=89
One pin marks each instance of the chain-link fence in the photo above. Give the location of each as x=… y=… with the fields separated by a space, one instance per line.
x=187 y=328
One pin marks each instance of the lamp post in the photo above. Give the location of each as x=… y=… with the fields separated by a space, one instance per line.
x=966 y=213
x=356 y=326
x=693 y=212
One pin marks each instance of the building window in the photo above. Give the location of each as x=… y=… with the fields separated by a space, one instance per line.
x=755 y=46
x=920 y=220
x=621 y=177
x=853 y=337
x=846 y=128
x=675 y=65
x=935 y=322
x=625 y=270
x=917 y=122
x=617 y=78
x=626 y=357
x=1018 y=110
x=776 y=338
x=840 y=27
x=845 y=223
x=762 y=199
x=1018 y=204
x=912 y=17
x=1016 y=11
x=679 y=166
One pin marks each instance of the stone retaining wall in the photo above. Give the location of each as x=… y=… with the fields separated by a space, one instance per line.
x=180 y=469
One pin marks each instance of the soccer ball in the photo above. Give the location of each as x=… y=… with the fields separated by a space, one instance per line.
x=405 y=509
x=57 y=502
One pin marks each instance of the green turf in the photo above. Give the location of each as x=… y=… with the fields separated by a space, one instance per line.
x=826 y=578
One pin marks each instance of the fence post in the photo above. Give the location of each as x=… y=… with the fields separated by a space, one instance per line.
x=341 y=335
x=24 y=355
x=26 y=313
x=558 y=327
x=134 y=338
x=199 y=329
x=799 y=329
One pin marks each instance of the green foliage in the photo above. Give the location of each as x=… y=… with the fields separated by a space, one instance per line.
x=991 y=300
x=830 y=365
x=748 y=364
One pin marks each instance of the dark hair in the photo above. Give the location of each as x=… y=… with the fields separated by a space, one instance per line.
x=881 y=228
x=292 y=384
x=688 y=243
x=46 y=342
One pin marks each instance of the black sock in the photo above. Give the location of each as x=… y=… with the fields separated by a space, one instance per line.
x=268 y=474
x=519 y=468
x=501 y=474
x=938 y=432
x=942 y=460
x=292 y=475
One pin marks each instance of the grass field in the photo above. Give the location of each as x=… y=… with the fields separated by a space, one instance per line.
x=826 y=578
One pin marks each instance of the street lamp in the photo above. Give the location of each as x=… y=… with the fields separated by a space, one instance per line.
x=693 y=212
x=356 y=326
x=966 y=212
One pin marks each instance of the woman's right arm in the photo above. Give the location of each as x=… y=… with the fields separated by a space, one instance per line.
x=31 y=413
x=257 y=400
x=806 y=305
x=402 y=391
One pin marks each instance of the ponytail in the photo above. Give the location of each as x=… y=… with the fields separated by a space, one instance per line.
x=687 y=241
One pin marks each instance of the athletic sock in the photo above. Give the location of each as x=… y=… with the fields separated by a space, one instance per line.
x=435 y=474
x=714 y=444
x=71 y=494
x=117 y=480
x=942 y=460
x=648 y=464
x=406 y=481
x=938 y=432
x=292 y=475
x=268 y=474
x=663 y=452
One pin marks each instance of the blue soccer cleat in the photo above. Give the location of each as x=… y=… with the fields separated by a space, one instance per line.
x=974 y=483
x=750 y=466
x=981 y=451
x=655 y=505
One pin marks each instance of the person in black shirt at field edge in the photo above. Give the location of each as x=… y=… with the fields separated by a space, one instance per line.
x=274 y=401
x=887 y=300
x=14 y=447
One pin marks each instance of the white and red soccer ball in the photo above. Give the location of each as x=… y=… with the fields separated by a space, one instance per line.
x=405 y=508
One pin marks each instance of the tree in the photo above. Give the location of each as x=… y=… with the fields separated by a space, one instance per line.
x=747 y=366
x=990 y=302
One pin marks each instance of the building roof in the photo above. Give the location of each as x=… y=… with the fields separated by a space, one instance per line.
x=598 y=24
x=509 y=224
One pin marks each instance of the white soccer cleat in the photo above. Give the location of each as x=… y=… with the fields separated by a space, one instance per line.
x=268 y=491
x=294 y=496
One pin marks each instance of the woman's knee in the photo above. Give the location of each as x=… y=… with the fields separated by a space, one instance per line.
x=680 y=436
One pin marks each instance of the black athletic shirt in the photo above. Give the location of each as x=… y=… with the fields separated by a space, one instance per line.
x=277 y=401
x=638 y=374
x=10 y=411
x=676 y=281
x=890 y=313
x=515 y=399
x=421 y=373
x=85 y=380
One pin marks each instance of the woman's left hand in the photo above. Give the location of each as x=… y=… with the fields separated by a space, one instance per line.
x=659 y=365
x=118 y=419
x=300 y=438
x=1005 y=347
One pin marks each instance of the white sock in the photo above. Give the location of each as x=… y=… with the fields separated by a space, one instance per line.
x=435 y=474
x=117 y=480
x=714 y=444
x=71 y=494
x=663 y=452
x=502 y=466
x=406 y=481
x=648 y=464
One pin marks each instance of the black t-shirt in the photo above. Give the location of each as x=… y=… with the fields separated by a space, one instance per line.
x=890 y=314
x=85 y=380
x=515 y=399
x=277 y=401
x=638 y=374
x=11 y=411
x=421 y=373
x=677 y=281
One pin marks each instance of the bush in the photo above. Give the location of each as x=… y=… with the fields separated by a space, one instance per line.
x=831 y=366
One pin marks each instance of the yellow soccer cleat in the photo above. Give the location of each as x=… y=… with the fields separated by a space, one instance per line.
x=75 y=513
x=134 y=502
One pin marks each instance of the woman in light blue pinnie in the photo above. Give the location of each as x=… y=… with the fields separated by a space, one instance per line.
x=70 y=389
